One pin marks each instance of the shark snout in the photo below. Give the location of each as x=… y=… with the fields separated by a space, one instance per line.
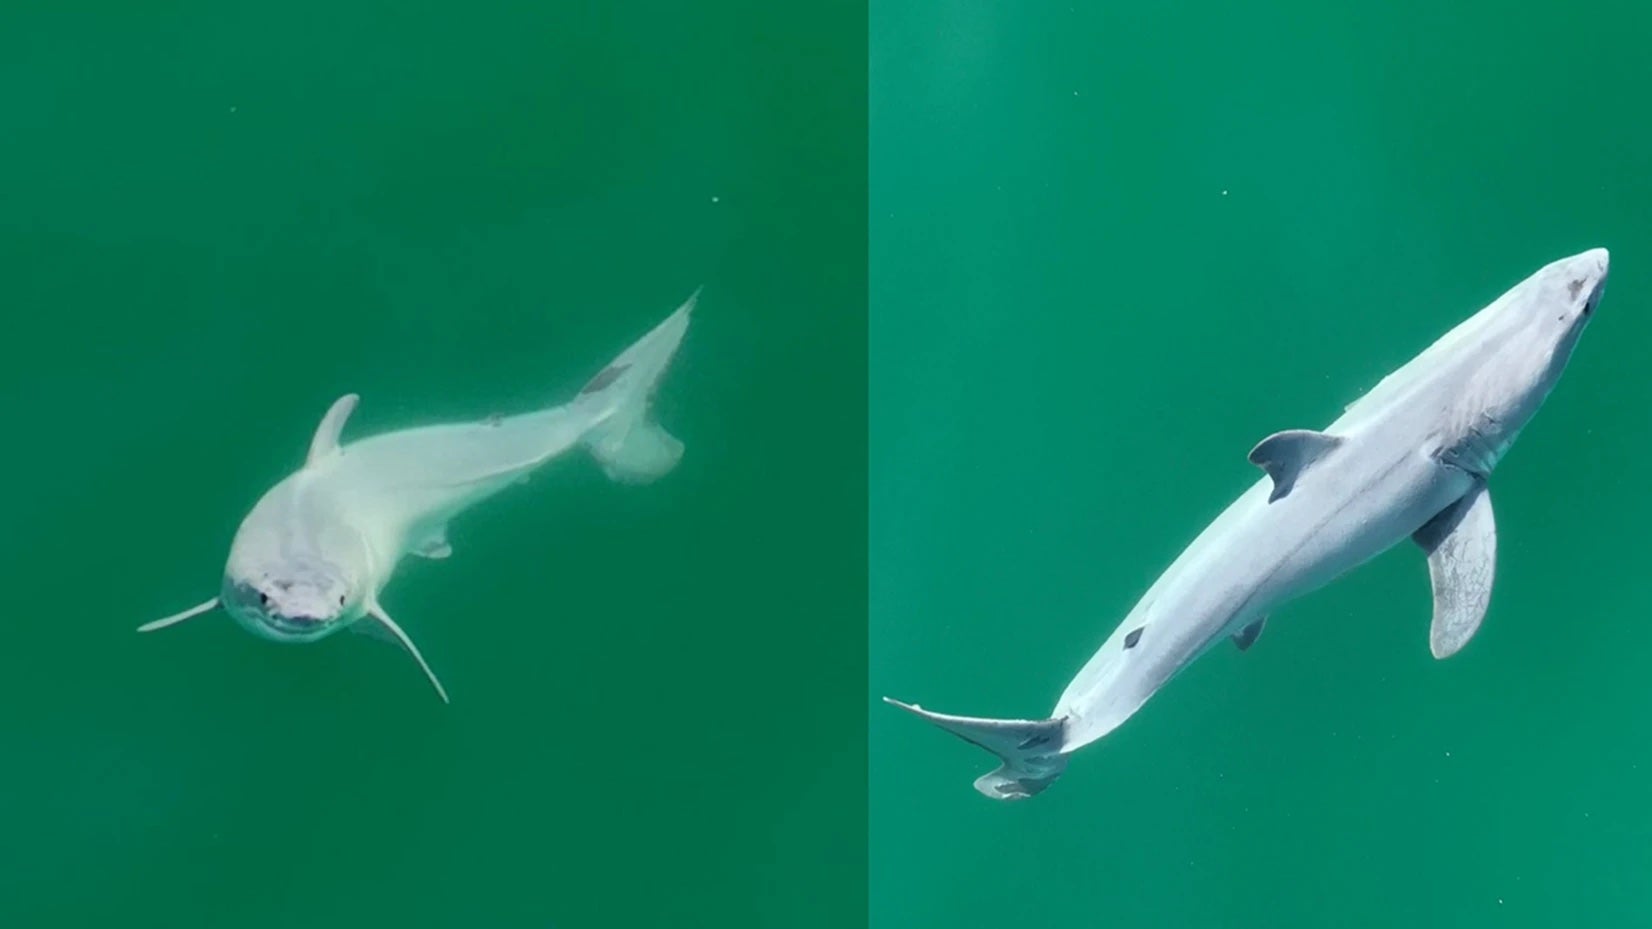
x=1583 y=277
x=1598 y=262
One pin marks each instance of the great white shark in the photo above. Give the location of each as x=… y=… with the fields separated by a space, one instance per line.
x=1408 y=460
x=314 y=555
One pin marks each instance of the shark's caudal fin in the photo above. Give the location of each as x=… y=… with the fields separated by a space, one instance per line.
x=1030 y=749
x=629 y=444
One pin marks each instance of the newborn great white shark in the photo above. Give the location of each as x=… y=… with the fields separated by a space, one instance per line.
x=1407 y=460
x=317 y=550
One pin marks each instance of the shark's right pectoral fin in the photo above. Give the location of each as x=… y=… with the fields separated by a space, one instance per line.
x=1461 y=543
x=1285 y=455
x=376 y=613
x=1029 y=748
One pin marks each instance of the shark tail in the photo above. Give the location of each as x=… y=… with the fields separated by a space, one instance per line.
x=1029 y=748
x=628 y=443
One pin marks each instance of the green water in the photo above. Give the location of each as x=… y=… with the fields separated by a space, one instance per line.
x=1109 y=247
x=1113 y=246
x=215 y=219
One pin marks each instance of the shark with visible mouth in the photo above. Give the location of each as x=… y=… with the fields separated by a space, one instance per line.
x=317 y=550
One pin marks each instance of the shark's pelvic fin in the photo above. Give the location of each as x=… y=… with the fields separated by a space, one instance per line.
x=1030 y=749
x=434 y=545
x=1247 y=636
x=325 y=441
x=377 y=613
x=629 y=444
x=1461 y=543
x=177 y=618
x=1285 y=455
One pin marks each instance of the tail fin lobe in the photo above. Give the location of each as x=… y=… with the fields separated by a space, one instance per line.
x=629 y=444
x=1029 y=748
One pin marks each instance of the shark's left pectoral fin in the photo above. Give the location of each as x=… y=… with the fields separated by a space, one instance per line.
x=377 y=614
x=1285 y=455
x=1461 y=543
x=177 y=618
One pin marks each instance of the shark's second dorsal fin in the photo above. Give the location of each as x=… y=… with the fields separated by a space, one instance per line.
x=1285 y=455
x=1247 y=636
x=325 y=441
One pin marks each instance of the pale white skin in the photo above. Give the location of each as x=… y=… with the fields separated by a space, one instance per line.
x=1419 y=445
x=318 y=549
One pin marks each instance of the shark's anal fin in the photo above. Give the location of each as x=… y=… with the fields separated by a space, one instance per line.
x=1247 y=636
x=377 y=614
x=1285 y=455
x=1029 y=748
x=325 y=441
x=177 y=618
x=1461 y=542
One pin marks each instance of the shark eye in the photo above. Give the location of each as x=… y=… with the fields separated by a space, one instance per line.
x=263 y=598
x=340 y=599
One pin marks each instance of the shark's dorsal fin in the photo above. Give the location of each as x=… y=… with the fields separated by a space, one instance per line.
x=1285 y=455
x=325 y=441
x=377 y=613
x=1246 y=637
x=1461 y=543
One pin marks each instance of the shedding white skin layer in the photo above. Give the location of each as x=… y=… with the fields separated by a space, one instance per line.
x=318 y=549
x=1409 y=460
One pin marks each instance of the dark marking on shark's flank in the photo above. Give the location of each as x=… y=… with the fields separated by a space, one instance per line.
x=1037 y=738
x=497 y=419
x=604 y=377
x=1574 y=287
x=1133 y=637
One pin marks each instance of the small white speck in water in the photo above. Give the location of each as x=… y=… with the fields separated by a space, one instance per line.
x=716 y=199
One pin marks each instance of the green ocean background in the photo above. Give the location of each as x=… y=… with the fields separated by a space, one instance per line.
x=1112 y=247
x=215 y=218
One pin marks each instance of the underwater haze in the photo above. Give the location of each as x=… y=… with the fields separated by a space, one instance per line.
x=220 y=217
x=1114 y=246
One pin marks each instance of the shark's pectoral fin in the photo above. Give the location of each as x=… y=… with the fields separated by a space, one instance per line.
x=1247 y=636
x=325 y=441
x=1461 y=543
x=377 y=614
x=177 y=618
x=1285 y=455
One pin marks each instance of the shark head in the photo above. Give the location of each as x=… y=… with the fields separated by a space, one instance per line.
x=297 y=600
x=1515 y=350
x=1555 y=304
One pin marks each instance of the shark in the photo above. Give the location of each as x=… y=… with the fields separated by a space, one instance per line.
x=1409 y=460
x=316 y=552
